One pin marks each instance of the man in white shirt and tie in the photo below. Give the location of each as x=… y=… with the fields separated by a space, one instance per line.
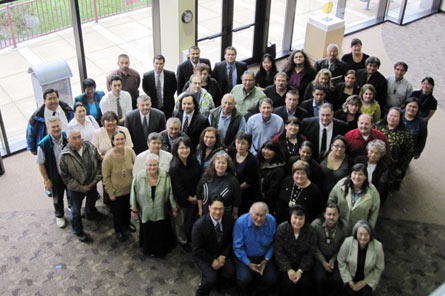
x=117 y=100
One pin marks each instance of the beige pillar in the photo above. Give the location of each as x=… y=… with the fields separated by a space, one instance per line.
x=320 y=33
x=176 y=34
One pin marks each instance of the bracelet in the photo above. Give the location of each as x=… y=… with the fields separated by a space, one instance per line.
x=46 y=181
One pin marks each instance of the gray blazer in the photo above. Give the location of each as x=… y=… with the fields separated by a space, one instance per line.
x=374 y=264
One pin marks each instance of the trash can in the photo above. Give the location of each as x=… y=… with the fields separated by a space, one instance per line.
x=54 y=74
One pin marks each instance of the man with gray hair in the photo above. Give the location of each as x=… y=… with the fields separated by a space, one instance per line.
x=48 y=152
x=143 y=121
x=171 y=133
x=80 y=171
x=252 y=244
x=332 y=63
x=247 y=95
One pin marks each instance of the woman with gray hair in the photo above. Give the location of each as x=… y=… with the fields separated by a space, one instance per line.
x=376 y=166
x=150 y=198
x=361 y=260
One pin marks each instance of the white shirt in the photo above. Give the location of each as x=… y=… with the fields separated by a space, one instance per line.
x=161 y=76
x=371 y=169
x=329 y=130
x=189 y=116
x=142 y=118
x=164 y=161
x=86 y=131
x=109 y=102
x=59 y=113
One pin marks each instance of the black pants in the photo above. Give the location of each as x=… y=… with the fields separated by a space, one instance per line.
x=327 y=283
x=210 y=278
x=302 y=287
x=58 y=191
x=365 y=291
x=121 y=212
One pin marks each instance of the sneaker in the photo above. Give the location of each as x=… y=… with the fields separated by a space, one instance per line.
x=61 y=222
x=84 y=237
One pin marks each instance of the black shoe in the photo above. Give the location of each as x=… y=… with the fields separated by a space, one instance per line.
x=131 y=228
x=96 y=216
x=186 y=247
x=120 y=236
x=84 y=237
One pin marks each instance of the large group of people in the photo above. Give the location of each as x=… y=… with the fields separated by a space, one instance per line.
x=274 y=178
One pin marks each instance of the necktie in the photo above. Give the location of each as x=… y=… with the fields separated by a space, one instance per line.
x=324 y=139
x=230 y=84
x=54 y=113
x=119 y=108
x=159 y=91
x=185 y=128
x=219 y=233
x=145 y=126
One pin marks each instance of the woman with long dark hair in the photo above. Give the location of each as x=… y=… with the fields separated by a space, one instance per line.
x=209 y=144
x=356 y=197
x=427 y=102
x=291 y=138
x=265 y=75
x=271 y=172
x=299 y=70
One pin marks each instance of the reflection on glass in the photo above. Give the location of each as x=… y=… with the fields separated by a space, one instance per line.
x=243 y=12
x=243 y=41
x=209 y=17
x=276 y=23
x=211 y=49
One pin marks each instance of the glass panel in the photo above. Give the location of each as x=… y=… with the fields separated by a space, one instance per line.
x=305 y=8
x=243 y=13
x=360 y=11
x=209 y=17
x=211 y=49
x=416 y=9
x=394 y=10
x=243 y=41
x=276 y=25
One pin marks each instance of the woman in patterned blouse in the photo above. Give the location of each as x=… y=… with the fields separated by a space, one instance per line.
x=401 y=144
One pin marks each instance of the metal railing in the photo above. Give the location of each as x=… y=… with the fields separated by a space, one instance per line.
x=30 y=19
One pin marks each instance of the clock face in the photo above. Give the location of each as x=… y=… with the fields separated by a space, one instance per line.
x=187 y=16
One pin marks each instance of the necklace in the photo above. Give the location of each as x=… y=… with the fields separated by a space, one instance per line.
x=295 y=195
x=291 y=148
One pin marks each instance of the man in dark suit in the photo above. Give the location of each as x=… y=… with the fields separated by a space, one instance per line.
x=332 y=63
x=371 y=75
x=312 y=106
x=192 y=122
x=143 y=121
x=212 y=247
x=188 y=67
x=291 y=107
x=228 y=72
x=160 y=85
x=322 y=129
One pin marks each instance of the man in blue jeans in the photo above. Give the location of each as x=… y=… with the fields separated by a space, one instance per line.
x=252 y=244
x=80 y=171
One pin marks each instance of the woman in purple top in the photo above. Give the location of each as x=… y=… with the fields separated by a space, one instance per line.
x=299 y=70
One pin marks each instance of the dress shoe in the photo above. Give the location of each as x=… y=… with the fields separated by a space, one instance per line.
x=84 y=237
x=96 y=216
x=186 y=247
x=120 y=236
x=131 y=228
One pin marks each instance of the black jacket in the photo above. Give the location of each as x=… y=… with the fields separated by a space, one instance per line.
x=185 y=70
x=220 y=74
x=149 y=87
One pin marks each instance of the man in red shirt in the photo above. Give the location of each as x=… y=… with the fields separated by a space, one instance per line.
x=360 y=137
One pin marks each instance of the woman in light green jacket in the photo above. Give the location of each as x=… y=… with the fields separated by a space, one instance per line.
x=356 y=197
x=361 y=261
x=151 y=199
